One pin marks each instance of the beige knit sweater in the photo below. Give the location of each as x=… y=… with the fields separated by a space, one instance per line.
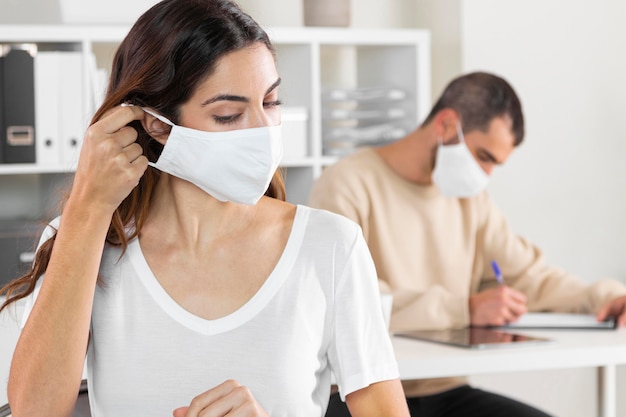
x=432 y=252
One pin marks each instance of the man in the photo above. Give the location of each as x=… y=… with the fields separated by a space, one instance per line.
x=433 y=232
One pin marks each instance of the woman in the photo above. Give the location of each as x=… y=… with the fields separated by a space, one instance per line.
x=193 y=287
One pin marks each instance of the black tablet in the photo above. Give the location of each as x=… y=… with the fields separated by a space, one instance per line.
x=474 y=337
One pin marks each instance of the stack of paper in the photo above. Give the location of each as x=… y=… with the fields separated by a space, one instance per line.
x=561 y=321
x=362 y=116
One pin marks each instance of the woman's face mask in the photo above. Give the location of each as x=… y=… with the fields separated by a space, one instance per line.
x=235 y=165
x=457 y=173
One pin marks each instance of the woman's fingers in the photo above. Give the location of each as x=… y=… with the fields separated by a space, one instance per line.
x=111 y=162
x=229 y=398
x=118 y=117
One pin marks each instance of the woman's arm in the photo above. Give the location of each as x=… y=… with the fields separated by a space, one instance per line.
x=48 y=359
x=384 y=398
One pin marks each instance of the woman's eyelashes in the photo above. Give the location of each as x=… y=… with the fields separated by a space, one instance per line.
x=226 y=120
x=233 y=118
x=274 y=103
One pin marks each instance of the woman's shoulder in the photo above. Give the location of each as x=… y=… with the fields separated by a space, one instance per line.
x=49 y=230
x=326 y=221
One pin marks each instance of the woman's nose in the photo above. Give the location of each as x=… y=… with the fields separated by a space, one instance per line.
x=263 y=117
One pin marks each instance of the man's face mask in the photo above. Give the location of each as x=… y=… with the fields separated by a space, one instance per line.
x=457 y=173
x=235 y=165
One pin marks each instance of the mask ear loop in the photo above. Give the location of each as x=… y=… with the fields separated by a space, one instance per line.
x=459 y=131
x=161 y=118
x=158 y=116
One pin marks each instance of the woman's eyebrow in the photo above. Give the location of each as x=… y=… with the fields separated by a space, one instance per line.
x=226 y=97
x=232 y=97
x=273 y=86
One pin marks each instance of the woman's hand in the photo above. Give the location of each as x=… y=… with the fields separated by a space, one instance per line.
x=111 y=162
x=229 y=398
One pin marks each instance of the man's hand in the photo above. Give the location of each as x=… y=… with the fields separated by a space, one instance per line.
x=615 y=308
x=228 y=398
x=496 y=306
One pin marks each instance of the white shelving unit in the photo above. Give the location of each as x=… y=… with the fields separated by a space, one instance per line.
x=313 y=59
x=309 y=60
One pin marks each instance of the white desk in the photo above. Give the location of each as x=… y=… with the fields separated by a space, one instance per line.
x=604 y=349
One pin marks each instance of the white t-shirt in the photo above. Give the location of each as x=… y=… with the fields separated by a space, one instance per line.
x=318 y=311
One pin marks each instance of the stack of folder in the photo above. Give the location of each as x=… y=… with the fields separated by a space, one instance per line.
x=362 y=117
x=43 y=114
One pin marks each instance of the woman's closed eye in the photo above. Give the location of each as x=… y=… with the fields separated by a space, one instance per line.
x=274 y=103
x=232 y=118
x=228 y=119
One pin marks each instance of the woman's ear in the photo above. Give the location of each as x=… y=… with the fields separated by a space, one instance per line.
x=156 y=128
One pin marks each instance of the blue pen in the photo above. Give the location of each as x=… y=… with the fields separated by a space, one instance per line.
x=496 y=271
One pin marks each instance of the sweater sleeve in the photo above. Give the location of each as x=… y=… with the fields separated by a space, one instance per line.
x=523 y=268
x=435 y=308
x=343 y=193
x=334 y=193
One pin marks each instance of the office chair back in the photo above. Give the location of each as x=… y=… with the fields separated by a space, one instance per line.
x=81 y=409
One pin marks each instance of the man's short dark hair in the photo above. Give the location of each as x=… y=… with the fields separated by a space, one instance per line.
x=478 y=98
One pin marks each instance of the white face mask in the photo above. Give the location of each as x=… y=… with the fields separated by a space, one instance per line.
x=457 y=173
x=236 y=165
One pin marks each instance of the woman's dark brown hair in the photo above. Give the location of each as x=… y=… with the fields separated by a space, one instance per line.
x=170 y=50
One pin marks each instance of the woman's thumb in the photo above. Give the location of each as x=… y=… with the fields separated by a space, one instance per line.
x=180 y=412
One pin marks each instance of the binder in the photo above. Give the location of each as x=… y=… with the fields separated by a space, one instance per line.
x=98 y=78
x=47 y=108
x=2 y=125
x=60 y=111
x=72 y=107
x=18 y=90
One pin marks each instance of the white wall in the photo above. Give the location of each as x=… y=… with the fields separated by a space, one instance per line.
x=29 y=11
x=565 y=188
x=443 y=19
x=364 y=13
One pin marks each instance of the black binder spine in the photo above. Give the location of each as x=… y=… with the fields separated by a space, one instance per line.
x=2 y=125
x=18 y=91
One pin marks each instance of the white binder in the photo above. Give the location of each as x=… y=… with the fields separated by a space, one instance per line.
x=72 y=108
x=47 y=102
x=60 y=115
